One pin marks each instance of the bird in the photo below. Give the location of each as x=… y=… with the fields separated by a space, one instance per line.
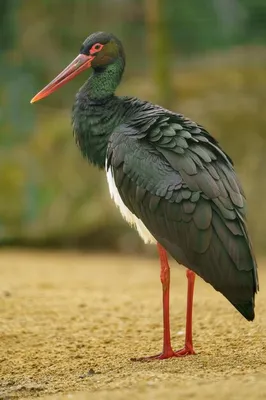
x=170 y=179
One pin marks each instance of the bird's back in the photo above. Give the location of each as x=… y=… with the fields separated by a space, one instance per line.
x=174 y=177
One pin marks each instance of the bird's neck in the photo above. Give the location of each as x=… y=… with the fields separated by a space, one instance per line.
x=104 y=81
x=97 y=112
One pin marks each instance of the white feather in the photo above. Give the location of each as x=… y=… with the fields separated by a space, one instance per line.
x=128 y=216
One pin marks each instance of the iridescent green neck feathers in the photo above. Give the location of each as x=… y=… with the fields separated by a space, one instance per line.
x=97 y=112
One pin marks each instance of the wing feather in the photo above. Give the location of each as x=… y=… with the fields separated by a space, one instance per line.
x=176 y=179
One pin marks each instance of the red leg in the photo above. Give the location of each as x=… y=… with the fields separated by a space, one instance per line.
x=168 y=352
x=188 y=349
x=165 y=280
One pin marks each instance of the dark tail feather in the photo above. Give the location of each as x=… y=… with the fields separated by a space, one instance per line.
x=246 y=309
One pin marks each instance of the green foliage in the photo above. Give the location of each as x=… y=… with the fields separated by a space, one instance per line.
x=47 y=190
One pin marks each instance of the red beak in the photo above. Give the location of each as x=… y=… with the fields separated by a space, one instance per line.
x=78 y=65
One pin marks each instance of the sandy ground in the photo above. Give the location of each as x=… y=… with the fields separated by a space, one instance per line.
x=69 y=324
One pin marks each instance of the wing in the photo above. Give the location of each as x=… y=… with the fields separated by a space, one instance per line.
x=176 y=179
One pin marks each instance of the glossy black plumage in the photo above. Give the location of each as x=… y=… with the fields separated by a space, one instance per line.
x=169 y=172
x=165 y=173
x=174 y=176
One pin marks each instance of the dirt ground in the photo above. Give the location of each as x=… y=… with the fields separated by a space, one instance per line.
x=69 y=324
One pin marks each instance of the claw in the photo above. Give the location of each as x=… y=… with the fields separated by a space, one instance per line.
x=186 y=351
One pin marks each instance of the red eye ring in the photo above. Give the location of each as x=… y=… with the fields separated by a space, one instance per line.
x=96 y=48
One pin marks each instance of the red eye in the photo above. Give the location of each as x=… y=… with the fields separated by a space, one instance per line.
x=96 y=48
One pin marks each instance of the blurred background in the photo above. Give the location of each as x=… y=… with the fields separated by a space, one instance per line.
x=205 y=59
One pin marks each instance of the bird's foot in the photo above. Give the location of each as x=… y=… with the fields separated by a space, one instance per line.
x=186 y=351
x=168 y=353
x=162 y=356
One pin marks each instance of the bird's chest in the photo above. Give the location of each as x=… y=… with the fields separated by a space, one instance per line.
x=126 y=213
x=93 y=124
x=92 y=139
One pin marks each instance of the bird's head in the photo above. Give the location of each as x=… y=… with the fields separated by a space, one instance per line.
x=98 y=51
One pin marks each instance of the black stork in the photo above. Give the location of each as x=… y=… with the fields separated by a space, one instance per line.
x=170 y=179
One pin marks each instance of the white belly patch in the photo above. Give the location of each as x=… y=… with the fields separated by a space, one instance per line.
x=128 y=216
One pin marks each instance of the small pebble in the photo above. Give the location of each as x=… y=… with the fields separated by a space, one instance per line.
x=90 y=372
